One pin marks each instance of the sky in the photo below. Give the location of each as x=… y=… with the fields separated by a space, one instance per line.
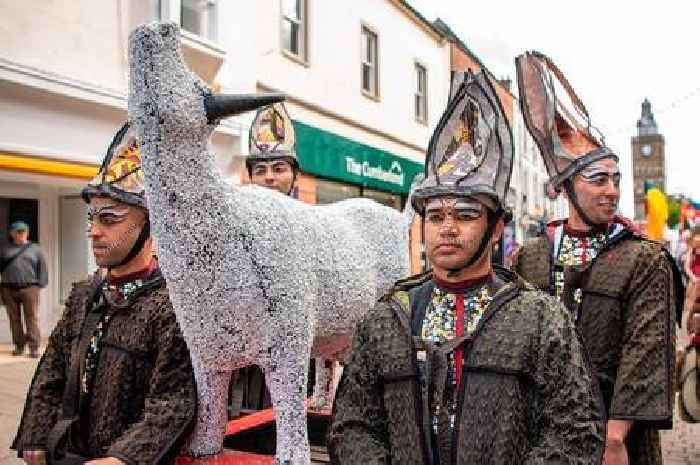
x=615 y=53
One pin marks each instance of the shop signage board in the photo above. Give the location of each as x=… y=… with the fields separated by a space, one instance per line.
x=329 y=155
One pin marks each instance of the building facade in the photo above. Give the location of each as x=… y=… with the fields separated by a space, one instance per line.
x=366 y=80
x=648 y=160
x=63 y=87
x=366 y=83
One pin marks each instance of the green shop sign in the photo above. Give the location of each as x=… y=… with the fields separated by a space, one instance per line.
x=326 y=154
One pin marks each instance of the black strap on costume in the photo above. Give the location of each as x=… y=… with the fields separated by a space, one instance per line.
x=569 y=186
x=419 y=297
x=485 y=241
x=60 y=435
x=138 y=245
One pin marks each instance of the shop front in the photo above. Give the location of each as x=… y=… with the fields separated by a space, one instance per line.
x=336 y=168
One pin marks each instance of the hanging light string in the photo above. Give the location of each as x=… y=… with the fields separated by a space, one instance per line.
x=674 y=105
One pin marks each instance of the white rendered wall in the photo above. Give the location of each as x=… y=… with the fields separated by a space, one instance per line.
x=331 y=80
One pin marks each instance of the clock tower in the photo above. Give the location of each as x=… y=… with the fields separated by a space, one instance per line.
x=648 y=159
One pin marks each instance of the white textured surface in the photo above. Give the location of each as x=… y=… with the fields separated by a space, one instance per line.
x=253 y=275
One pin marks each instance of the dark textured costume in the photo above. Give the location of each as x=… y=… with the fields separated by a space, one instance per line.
x=526 y=397
x=628 y=294
x=141 y=394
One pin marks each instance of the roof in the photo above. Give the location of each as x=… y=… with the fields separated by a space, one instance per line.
x=450 y=35
x=417 y=17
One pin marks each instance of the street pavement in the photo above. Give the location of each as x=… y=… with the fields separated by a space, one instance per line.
x=15 y=376
x=681 y=446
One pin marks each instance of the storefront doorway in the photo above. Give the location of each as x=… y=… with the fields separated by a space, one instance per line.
x=17 y=209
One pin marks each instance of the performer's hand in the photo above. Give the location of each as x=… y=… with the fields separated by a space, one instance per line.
x=615 y=453
x=105 y=461
x=34 y=457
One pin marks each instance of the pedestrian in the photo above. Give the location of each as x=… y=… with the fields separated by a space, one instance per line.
x=115 y=385
x=467 y=363
x=24 y=274
x=691 y=266
x=622 y=289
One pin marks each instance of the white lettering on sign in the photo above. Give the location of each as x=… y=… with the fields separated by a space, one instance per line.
x=393 y=175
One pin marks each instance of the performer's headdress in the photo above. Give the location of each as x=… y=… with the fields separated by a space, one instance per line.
x=120 y=176
x=471 y=150
x=271 y=136
x=559 y=122
x=470 y=153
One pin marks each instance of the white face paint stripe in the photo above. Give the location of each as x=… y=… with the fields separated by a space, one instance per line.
x=457 y=203
x=108 y=209
x=596 y=169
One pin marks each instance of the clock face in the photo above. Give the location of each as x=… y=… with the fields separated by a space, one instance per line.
x=646 y=150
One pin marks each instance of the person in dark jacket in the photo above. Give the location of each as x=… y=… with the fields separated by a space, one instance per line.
x=24 y=274
x=467 y=363
x=621 y=288
x=115 y=385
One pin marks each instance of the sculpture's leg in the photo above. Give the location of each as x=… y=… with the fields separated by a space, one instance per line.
x=337 y=373
x=324 y=388
x=212 y=394
x=287 y=378
x=324 y=377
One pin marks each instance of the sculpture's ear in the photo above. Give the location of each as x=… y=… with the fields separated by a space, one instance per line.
x=224 y=105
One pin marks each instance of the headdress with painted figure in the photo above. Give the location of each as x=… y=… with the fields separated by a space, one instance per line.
x=471 y=151
x=470 y=155
x=120 y=177
x=272 y=136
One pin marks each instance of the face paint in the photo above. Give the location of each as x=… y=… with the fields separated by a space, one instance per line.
x=454 y=228
x=597 y=192
x=599 y=175
x=107 y=215
x=459 y=208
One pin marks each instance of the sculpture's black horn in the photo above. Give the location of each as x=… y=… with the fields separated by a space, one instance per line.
x=221 y=106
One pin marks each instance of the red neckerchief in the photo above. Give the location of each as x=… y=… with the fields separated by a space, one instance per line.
x=133 y=276
x=617 y=219
x=459 y=289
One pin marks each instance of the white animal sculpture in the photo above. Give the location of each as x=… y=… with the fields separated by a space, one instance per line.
x=254 y=276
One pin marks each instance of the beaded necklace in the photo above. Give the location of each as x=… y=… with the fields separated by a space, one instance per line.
x=576 y=250
x=440 y=326
x=111 y=295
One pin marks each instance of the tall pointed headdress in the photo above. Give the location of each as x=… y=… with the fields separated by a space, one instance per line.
x=471 y=151
x=557 y=120
x=272 y=135
x=120 y=177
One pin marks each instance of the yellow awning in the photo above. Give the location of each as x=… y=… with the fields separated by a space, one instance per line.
x=47 y=166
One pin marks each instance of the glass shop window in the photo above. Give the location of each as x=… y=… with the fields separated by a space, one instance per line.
x=294 y=28
x=421 y=97
x=330 y=191
x=385 y=198
x=370 y=63
x=199 y=17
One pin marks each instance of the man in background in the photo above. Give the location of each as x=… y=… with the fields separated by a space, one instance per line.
x=24 y=274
